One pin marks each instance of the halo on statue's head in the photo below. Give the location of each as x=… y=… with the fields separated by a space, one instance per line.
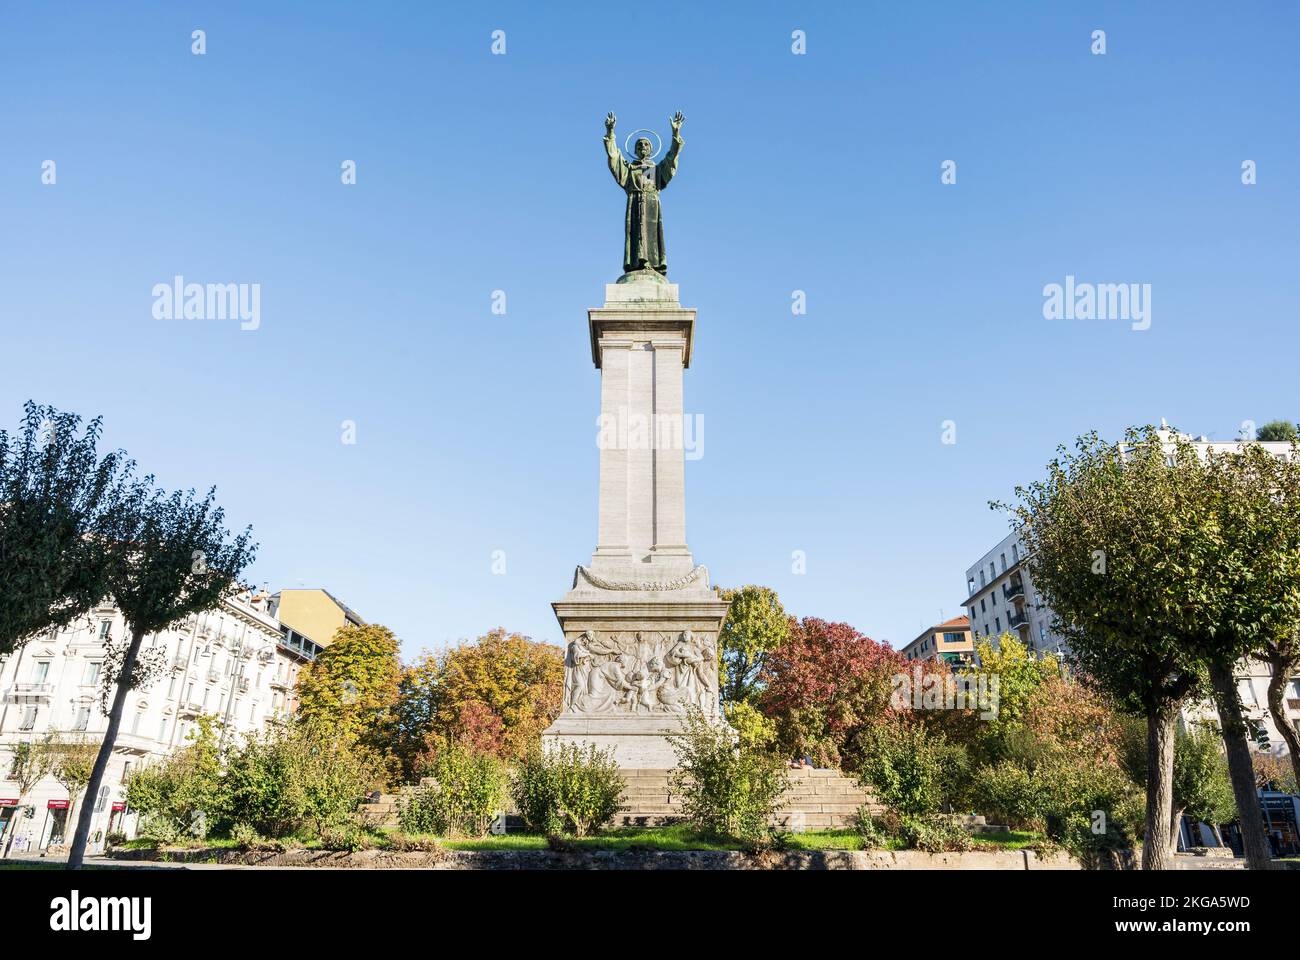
x=631 y=153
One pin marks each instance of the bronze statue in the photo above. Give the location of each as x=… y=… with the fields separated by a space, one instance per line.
x=642 y=179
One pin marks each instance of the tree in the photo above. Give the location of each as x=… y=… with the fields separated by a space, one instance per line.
x=31 y=762
x=74 y=759
x=352 y=685
x=825 y=683
x=517 y=679
x=1202 y=788
x=1019 y=673
x=756 y=624
x=177 y=559
x=1113 y=540
x=1277 y=430
x=61 y=508
x=1247 y=601
x=1282 y=654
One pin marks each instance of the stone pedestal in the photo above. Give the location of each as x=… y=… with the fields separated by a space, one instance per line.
x=641 y=622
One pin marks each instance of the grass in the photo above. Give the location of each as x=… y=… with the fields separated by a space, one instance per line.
x=1008 y=839
x=675 y=837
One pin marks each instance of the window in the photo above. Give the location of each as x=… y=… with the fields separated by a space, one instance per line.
x=171 y=689
x=1004 y=562
x=126 y=770
x=993 y=574
x=982 y=580
x=189 y=692
x=29 y=719
x=135 y=722
x=83 y=719
x=970 y=586
x=1015 y=553
x=997 y=624
x=1042 y=632
x=92 y=673
x=162 y=730
x=40 y=671
x=104 y=627
x=982 y=609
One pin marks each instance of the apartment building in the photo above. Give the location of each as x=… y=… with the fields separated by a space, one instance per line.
x=949 y=641
x=235 y=663
x=1000 y=598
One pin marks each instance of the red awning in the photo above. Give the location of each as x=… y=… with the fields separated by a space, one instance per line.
x=57 y=805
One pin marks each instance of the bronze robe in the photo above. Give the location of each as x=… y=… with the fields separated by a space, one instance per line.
x=643 y=230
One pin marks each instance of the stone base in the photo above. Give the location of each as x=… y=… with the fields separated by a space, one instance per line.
x=639 y=743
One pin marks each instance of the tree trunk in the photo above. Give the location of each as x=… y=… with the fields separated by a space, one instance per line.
x=1250 y=816
x=1283 y=666
x=1160 y=786
x=1173 y=830
x=78 y=852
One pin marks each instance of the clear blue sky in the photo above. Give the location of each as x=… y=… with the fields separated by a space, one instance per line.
x=477 y=172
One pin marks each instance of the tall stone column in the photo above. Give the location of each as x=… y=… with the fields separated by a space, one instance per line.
x=641 y=622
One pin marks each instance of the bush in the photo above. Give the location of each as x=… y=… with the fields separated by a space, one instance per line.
x=244 y=836
x=347 y=838
x=566 y=788
x=1007 y=793
x=115 y=838
x=913 y=771
x=296 y=778
x=403 y=843
x=182 y=789
x=467 y=792
x=160 y=831
x=728 y=792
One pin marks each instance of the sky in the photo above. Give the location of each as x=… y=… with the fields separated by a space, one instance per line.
x=823 y=432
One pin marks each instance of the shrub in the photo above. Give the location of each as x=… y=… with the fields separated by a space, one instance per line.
x=728 y=792
x=467 y=791
x=297 y=778
x=160 y=830
x=183 y=789
x=403 y=843
x=913 y=771
x=347 y=838
x=115 y=838
x=244 y=836
x=567 y=788
x=1007 y=793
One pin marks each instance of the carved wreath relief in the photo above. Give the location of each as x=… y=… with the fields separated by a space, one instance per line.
x=641 y=673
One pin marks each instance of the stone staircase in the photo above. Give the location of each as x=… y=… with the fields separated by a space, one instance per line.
x=816 y=800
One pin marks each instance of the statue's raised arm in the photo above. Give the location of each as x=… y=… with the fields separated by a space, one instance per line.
x=668 y=165
x=617 y=165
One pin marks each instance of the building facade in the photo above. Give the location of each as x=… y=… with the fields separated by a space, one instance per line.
x=313 y=614
x=949 y=641
x=233 y=663
x=1000 y=598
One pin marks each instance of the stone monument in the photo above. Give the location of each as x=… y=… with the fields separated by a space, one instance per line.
x=640 y=622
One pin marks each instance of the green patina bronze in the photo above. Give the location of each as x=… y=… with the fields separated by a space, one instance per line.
x=642 y=179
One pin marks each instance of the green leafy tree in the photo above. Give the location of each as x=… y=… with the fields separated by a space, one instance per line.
x=1247 y=601
x=1113 y=540
x=176 y=560
x=61 y=509
x=756 y=624
x=181 y=792
x=1019 y=673
x=74 y=759
x=1277 y=430
x=352 y=685
x=1202 y=787
x=30 y=763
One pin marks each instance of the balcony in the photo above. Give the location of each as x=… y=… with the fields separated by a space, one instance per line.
x=178 y=663
x=190 y=708
x=1294 y=704
x=1018 y=620
x=41 y=691
x=243 y=685
x=1013 y=589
